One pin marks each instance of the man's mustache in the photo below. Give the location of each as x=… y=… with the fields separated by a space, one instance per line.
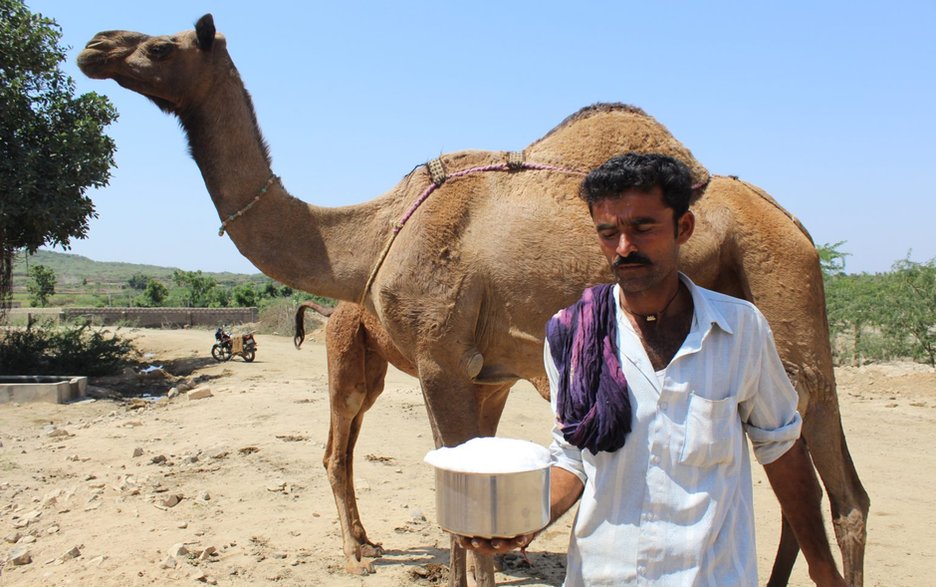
x=632 y=259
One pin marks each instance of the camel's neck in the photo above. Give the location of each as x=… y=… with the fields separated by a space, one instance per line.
x=309 y=248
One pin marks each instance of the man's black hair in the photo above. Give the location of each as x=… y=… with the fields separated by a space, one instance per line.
x=642 y=172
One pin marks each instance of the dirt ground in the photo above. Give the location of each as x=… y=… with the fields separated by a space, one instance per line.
x=105 y=492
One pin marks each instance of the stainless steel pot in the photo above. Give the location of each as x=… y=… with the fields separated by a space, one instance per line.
x=492 y=505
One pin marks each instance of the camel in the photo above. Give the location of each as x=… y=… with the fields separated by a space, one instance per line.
x=463 y=261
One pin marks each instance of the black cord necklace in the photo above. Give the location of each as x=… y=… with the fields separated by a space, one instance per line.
x=655 y=316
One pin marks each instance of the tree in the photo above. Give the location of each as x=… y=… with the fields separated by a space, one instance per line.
x=245 y=295
x=52 y=144
x=41 y=285
x=197 y=288
x=138 y=281
x=853 y=303
x=154 y=294
x=909 y=308
x=832 y=259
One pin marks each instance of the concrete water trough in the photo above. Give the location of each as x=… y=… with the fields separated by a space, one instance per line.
x=57 y=389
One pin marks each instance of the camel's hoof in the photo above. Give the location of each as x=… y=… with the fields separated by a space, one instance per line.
x=371 y=550
x=361 y=568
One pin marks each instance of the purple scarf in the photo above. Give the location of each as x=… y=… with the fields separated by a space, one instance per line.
x=593 y=406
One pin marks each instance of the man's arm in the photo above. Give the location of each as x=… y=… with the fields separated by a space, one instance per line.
x=564 y=490
x=794 y=482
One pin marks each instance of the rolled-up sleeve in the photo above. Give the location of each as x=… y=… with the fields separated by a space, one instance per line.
x=563 y=454
x=769 y=412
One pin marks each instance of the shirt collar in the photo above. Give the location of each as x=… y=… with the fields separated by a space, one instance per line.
x=704 y=313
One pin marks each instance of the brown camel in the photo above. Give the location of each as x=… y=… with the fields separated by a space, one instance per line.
x=463 y=283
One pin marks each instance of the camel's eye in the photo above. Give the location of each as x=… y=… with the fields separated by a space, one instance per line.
x=160 y=50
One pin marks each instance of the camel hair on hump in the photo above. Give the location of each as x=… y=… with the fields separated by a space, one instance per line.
x=464 y=283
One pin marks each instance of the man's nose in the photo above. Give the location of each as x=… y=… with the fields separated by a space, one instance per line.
x=624 y=246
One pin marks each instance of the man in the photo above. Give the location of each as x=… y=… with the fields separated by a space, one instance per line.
x=654 y=380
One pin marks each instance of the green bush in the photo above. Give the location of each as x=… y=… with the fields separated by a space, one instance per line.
x=47 y=349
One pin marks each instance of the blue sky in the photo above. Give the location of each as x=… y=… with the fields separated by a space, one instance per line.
x=829 y=106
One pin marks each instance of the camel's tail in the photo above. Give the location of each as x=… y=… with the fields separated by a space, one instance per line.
x=300 y=319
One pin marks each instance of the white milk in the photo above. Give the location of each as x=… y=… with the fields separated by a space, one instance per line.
x=490 y=455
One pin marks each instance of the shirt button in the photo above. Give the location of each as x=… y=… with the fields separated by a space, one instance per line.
x=655 y=460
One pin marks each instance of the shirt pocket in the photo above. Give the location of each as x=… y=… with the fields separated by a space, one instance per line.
x=712 y=432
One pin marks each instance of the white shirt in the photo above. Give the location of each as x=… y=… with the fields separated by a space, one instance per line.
x=674 y=505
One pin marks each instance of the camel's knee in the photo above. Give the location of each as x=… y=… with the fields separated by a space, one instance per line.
x=851 y=527
x=348 y=401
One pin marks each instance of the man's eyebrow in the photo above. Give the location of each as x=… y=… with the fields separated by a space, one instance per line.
x=630 y=222
x=643 y=220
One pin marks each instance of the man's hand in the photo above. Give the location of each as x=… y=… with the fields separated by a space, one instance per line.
x=492 y=546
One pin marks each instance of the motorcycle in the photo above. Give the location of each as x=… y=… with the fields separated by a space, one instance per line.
x=229 y=345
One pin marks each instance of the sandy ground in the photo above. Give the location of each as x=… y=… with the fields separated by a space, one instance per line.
x=88 y=491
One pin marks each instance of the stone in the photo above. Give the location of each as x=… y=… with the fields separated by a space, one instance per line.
x=13 y=537
x=19 y=555
x=199 y=393
x=178 y=550
x=208 y=553
x=137 y=452
x=73 y=552
x=172 y=500
x=169 y=562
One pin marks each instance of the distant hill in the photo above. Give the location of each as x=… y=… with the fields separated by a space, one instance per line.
x=78 y=274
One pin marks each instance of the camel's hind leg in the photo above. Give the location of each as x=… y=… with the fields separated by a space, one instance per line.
x=787 y=551
x=355 y=378
x=848 y=499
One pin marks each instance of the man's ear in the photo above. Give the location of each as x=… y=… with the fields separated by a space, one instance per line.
x=685 y=226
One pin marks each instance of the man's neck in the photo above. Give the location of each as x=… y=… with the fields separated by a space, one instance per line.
x=662 y=334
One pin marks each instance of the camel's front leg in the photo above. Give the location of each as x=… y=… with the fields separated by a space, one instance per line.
x=460 y=410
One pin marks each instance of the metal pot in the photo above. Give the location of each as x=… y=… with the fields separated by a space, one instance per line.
x=492 y=505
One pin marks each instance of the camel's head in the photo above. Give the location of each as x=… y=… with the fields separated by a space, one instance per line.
x=174 y=71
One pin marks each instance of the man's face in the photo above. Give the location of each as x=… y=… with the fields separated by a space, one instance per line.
x=637 y=235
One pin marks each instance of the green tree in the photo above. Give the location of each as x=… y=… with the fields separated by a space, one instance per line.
x=832 y=258
x=245 y=295
x=41 y=285
x=908 y=313
x=139 y=281
x=52 y=144
x=197 y=288
x=853 y=304
x=154 y=294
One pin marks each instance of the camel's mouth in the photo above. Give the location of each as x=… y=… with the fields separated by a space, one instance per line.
x=91 y=63
x=105 y=48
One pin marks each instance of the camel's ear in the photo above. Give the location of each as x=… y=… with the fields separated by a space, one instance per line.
x=205 y=31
